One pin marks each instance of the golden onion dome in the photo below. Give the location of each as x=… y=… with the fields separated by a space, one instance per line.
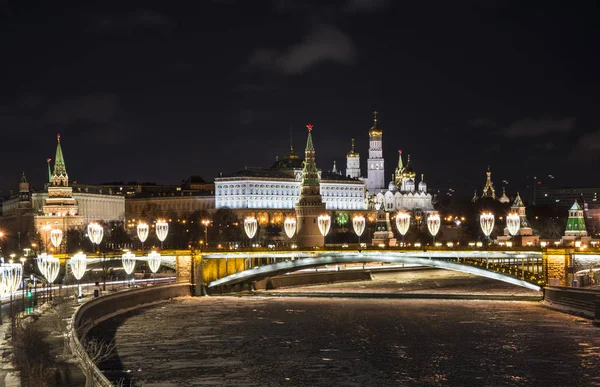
x=352 y=152
x=375 y=129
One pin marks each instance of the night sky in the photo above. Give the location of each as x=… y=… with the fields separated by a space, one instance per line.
x=153 y=91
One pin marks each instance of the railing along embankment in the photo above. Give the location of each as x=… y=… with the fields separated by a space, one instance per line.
x=102 y=308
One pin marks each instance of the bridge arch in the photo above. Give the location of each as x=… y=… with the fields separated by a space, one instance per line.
x=334 y=258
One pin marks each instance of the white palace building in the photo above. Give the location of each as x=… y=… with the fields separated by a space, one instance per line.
x=278 y=187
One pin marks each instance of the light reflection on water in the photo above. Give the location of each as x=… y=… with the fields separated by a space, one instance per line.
x=354 y=342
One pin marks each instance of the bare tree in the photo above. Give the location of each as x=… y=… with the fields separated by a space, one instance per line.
x=61 y=314
x=97 y=351
x=31 y=355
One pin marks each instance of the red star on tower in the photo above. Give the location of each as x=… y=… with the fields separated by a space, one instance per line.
x=309 y=126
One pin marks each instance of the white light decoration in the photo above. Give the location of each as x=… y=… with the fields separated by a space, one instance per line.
x=250 y=226
x=56 y=236
x=49 y=267
x=433 y=225
x=324 y=222
x=513 y=223
x=486 y=221
x=358 y=223
x=289 y=225
x=403 y=223
x=161 y=229
x=12 y=274
x=154 y=261
x=95 y=233
x=78 y=265
x=142 y=232
x=128 y=260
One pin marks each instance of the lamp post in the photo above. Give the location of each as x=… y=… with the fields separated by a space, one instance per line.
x=78 y=265
x=128 y=260
x=403 y=223
x=162 y=230
x=46 y=228
x=358 y=223
x=324 y=223
x=95 y=233
x=49 y=266
x=154 y=263
x=250 y=226
x=289 y=225
x=23 y=260
x=486 y=221
x=513 y=223
x=56 y=236
x=206 y=223
x=433 y=225
x=142 y=233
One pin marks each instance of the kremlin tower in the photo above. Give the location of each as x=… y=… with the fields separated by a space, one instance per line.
x=60 y=209
x=310 y=205
x=353 y=163
x=375 y=170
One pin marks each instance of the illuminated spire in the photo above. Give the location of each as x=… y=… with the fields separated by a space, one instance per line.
x=59 y=161
x=400 y=165
x=334 y=170
x=488 y=189
x=310 y=176
x=375 y=129
x=352 y=152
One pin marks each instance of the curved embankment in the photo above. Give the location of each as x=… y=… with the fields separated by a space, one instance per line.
x=102 y=308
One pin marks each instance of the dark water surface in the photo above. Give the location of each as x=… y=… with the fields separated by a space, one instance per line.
x=225 y=341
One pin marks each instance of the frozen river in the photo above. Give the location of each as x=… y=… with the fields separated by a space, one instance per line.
x=227 y=341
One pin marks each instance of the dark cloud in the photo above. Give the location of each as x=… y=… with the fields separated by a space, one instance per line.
x=141 y=18
x=324 y=43
x=538 y=127
x=366 y=5
x=95 y=107
x=587 y=147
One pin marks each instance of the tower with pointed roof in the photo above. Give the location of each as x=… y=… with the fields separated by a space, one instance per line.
x=519 y=208
x=375 y=163
x=24 y=193
x=504 y=198
x=353 y=163
x=488 y=189
x=334 y=169
x=576 y=222
x=60 y=209
x=310 y=204
x=399 y=170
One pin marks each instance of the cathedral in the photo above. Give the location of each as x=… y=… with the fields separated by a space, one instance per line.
x=403 y=192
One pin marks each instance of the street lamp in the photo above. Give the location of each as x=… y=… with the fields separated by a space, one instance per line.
x=433 y=225
x=161 y=229
x=128 y=260
x=95 y=233
x=46 y=228
x=206 y=223
x=513 y=223
x=142 y=233
x=78 y=265
x=56 y=237
x=324 y=223
x=154 y=263
x=486 y=221
x=289 y=225
x=403 y=223
x=49 y=267
x=10 y=279
x=250 y=226
x=358 y=223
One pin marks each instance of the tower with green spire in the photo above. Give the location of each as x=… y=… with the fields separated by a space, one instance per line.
x=59 y=176
x=576 y=222
x=60 y=209
x=310 y=204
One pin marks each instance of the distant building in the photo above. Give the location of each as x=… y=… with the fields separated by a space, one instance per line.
x=564 y=197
